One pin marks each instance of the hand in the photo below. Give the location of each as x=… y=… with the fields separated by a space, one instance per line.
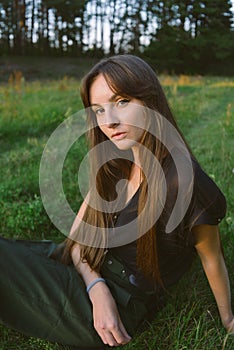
x=230 y=326
x=106 y=318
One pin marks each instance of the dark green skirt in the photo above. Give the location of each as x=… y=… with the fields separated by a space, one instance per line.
x=41 y=297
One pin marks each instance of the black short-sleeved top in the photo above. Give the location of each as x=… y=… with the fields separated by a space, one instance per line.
x=175 y=249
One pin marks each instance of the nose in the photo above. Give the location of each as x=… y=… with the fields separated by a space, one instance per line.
x=111 y=117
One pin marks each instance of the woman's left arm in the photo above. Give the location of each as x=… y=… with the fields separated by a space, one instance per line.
x=209 y=249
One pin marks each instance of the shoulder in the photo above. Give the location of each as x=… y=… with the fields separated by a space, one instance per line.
x=191 y=190
x=183 y=170
x=205 y=188
x=179 y=170
x=209 y=201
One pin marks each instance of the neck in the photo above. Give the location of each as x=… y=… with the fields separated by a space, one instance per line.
x=136 y=156
x=136 y=171
x=134 y=181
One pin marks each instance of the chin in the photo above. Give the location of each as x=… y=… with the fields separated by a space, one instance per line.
x=125 y=146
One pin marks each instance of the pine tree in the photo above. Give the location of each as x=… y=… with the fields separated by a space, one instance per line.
x=193 y=36
x=214 y=39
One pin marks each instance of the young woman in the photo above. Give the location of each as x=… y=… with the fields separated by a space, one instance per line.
x=150 y=210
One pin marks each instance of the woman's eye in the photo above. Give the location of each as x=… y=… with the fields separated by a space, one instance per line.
x=99 y=111
x=122 y=102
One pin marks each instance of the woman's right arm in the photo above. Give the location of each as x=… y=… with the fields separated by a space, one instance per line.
x=106 y=318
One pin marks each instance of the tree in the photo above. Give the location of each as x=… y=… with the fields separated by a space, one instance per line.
x=213 y=38
x=179 y=36
x=193 y=36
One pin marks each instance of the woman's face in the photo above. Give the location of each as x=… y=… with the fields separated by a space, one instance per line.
x=121 y=119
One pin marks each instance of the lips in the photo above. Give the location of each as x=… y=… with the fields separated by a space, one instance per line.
x=118 y=135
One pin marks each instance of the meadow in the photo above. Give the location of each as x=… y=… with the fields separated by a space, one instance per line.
x=204 y=109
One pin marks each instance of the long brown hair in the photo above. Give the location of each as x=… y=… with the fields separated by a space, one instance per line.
x=128 y=76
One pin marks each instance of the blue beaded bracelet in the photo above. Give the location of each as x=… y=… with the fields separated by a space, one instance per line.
x=93 y=283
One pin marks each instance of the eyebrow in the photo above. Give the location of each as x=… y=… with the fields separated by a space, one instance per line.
x=111 y=99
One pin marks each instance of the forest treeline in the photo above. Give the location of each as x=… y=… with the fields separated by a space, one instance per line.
x=189 y=36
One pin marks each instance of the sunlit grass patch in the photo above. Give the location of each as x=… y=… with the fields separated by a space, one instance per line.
x=223 y=83
x=181 y=80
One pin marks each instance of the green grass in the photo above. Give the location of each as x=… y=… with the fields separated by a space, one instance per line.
x=204 y=108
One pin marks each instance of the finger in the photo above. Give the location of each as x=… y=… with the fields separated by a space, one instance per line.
x=124 y=332
x=120 y=336
x=102 y=334
x=230 y=328
x=109 y=338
